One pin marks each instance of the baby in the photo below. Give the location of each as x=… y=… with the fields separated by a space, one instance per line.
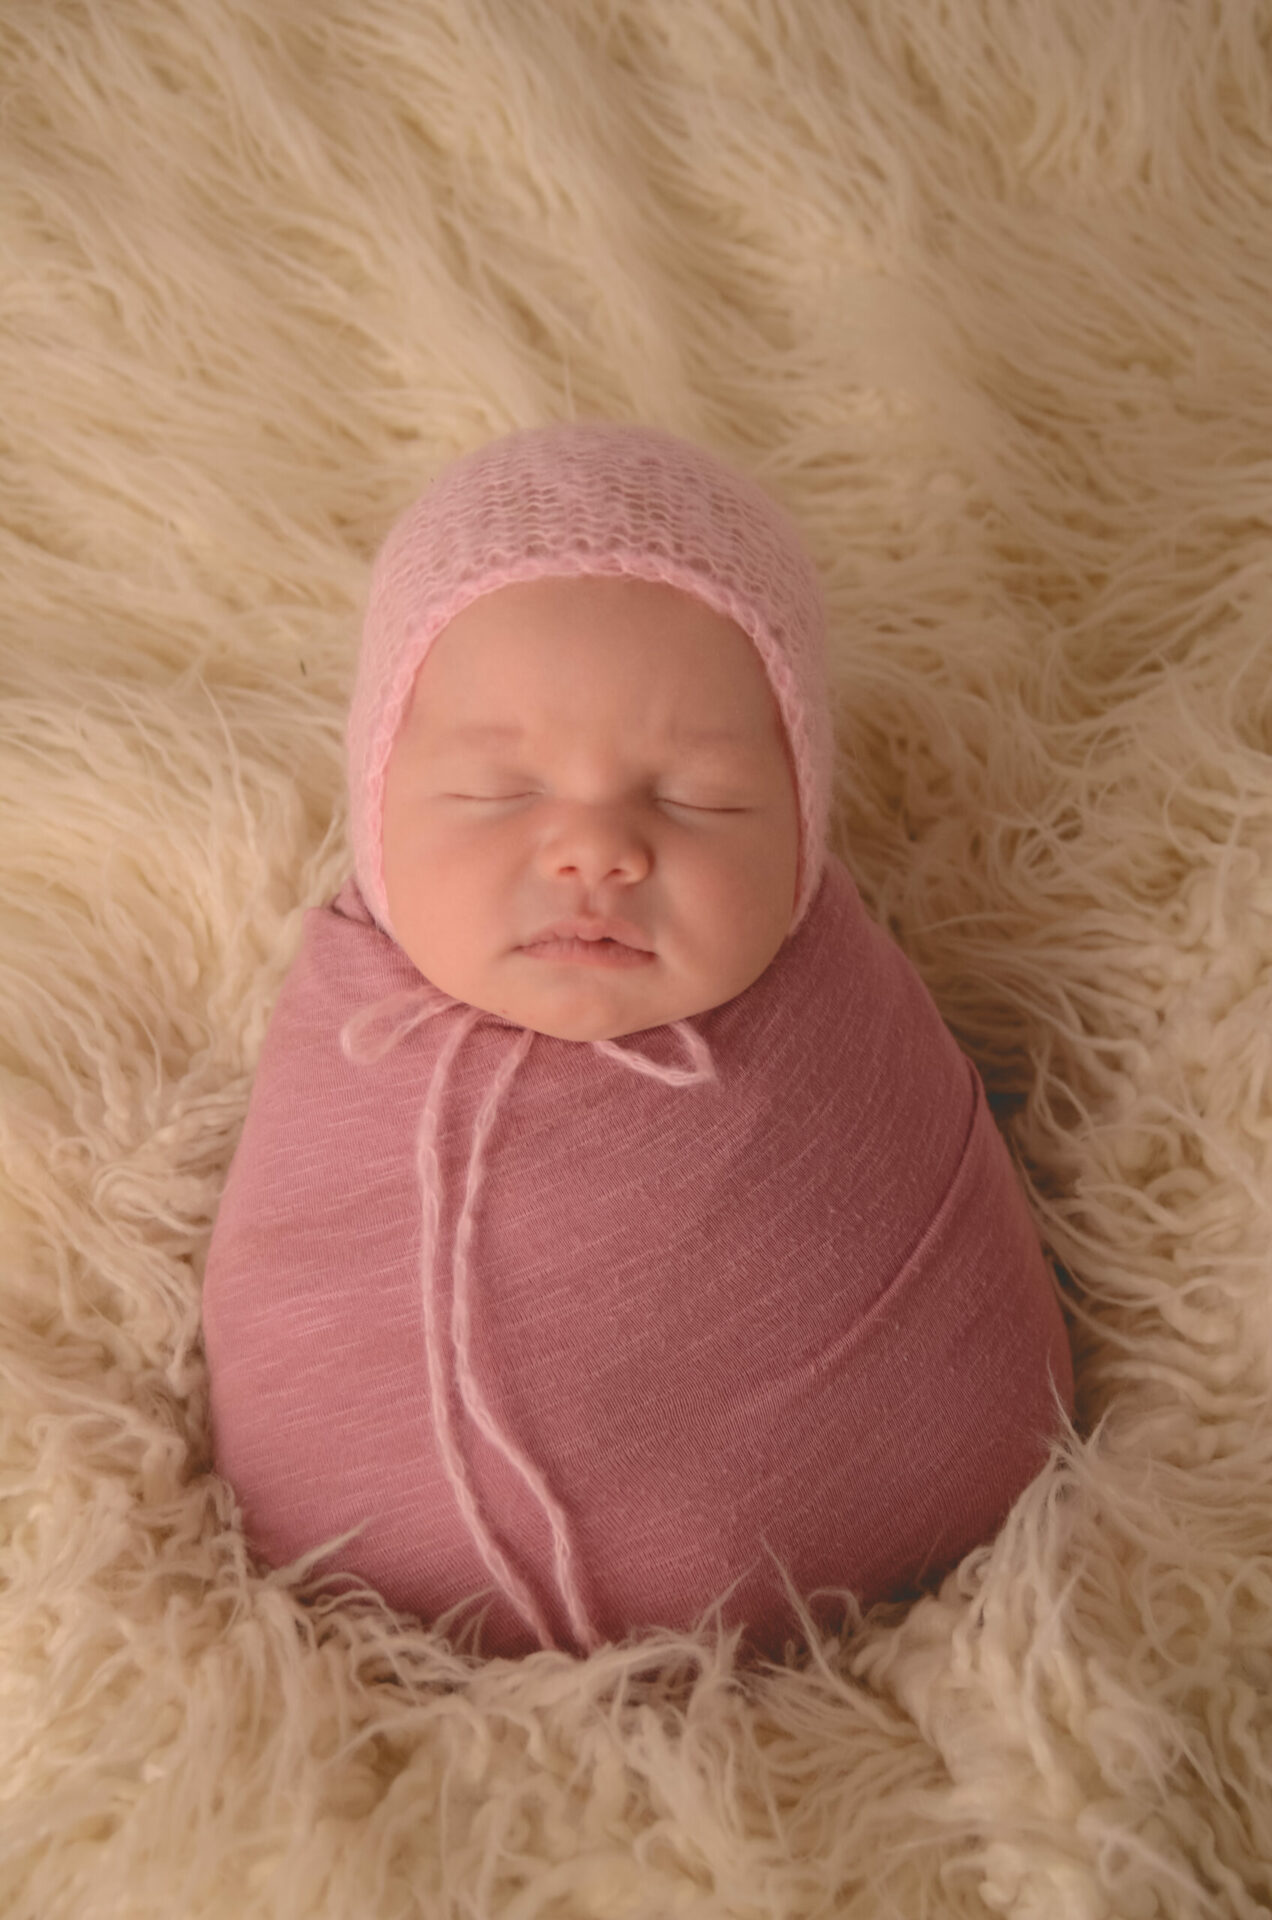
x=619 y=1332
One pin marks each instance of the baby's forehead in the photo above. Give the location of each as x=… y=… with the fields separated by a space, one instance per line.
x=682 y=686
x=690 y=738
x=484 y=719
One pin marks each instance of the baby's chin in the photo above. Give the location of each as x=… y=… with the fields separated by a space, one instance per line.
x=586 y=1003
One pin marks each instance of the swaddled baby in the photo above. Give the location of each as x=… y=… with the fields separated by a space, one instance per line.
x=616 y=1228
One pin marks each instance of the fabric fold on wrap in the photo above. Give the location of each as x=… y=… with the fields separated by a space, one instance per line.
x=631 y=1327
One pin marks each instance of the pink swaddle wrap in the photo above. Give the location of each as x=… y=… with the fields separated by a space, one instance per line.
x=614 y=1328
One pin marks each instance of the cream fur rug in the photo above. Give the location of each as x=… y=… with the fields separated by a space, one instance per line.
x=982 y=291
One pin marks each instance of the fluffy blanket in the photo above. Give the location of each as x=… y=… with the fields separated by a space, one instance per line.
x=980 y=290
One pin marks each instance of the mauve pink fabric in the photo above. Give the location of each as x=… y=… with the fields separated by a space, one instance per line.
x=801 y=1306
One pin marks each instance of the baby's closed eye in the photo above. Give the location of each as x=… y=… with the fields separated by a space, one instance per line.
x=691 y=806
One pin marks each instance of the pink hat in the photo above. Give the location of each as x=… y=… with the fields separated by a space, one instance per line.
x=591 y=498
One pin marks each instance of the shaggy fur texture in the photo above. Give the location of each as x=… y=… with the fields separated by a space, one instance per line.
x=980 y=289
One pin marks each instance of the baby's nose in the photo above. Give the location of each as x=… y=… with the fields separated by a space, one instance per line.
x=599 y=841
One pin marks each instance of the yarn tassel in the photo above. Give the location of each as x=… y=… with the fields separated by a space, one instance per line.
x=367 y=1037
x=429 y=1168
x=474 y=1400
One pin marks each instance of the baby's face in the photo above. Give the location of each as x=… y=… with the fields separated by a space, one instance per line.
x=597 y=803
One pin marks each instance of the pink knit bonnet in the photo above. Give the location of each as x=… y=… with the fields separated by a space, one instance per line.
x=591 y=498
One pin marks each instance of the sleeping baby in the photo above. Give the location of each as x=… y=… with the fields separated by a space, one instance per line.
x=617 y=1235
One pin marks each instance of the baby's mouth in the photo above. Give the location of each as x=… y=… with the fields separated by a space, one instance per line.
x=589 y=930
x=598 y=953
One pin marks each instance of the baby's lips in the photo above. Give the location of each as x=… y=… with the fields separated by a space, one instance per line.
x=580 y=927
